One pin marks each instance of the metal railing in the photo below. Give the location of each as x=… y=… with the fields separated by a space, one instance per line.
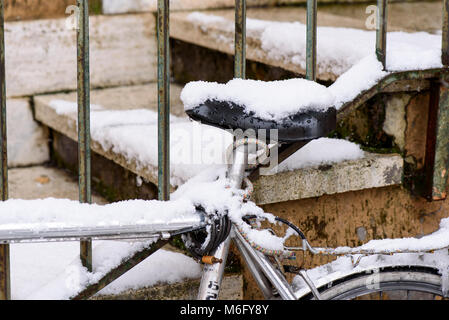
x=441 y=152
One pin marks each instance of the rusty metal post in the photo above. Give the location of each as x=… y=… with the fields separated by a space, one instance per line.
x=240 y=39
x=381 y=32
x=445 y=33
x=441 y=157
x=311 y=40
x=163 y=75
x=5 y=280
x=437 y=144
x=83 y=76
x=437 y=141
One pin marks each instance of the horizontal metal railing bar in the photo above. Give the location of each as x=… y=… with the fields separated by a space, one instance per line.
x=126 y=232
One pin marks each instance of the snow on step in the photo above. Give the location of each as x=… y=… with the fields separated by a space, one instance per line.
x=338 y=49
x=322 y=151
x=272 y=100
x=53 y=271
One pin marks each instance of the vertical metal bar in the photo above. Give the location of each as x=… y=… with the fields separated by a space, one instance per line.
x=311 y=40
x=441 y=155
x=240 y=39
x=445 y=33
x=84 y=165
x=163 y=99
x=381 y=31
x=5 y=284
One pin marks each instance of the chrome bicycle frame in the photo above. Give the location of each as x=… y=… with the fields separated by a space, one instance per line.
x=269 y=279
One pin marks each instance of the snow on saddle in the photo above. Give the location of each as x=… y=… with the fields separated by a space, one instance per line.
x=301 y=110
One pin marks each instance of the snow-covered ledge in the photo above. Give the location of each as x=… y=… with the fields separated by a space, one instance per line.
x=127 y=6
x=371 y=171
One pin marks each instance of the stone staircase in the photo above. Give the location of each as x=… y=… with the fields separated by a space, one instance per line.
x=41 y=69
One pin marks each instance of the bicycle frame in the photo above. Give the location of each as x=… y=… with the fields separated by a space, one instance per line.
x=262 y=270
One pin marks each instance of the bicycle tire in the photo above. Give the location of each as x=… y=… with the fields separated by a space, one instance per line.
x=405 y=282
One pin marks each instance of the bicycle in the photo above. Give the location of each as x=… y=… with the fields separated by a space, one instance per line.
x=399 y=272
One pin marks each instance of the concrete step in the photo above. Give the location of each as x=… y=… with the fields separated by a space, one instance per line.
x=116 y=99
x=216 y=30
x=117 y=6
x=41 y=54
x=231 y=289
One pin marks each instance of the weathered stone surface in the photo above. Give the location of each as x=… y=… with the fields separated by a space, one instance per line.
x=124 y=98
x=193 y=63
x=395 y=120
x=417 y=111
x=41 y=54
x=187 y=290
x=40 y=9
x=28 y=142
x=42 y=182
x=427 y=15
x=373 y=171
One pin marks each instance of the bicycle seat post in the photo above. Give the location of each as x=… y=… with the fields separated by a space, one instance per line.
x=238 y=166
x=213 y=274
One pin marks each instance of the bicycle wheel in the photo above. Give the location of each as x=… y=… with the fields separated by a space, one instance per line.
x=388 y=283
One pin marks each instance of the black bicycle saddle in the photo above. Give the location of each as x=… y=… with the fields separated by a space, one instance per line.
x=304 y=125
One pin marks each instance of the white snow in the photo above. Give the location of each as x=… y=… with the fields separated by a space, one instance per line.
x=41 y=214
x=123 y=6
x=66 y=277
x=161 y=267
x=133 y=134
x=438 y=241
x=346 y=52
x=51 y=271
x=322 y=151
x=338 y=48
x=362 y=76
x=271 y=100
x=65 y=107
